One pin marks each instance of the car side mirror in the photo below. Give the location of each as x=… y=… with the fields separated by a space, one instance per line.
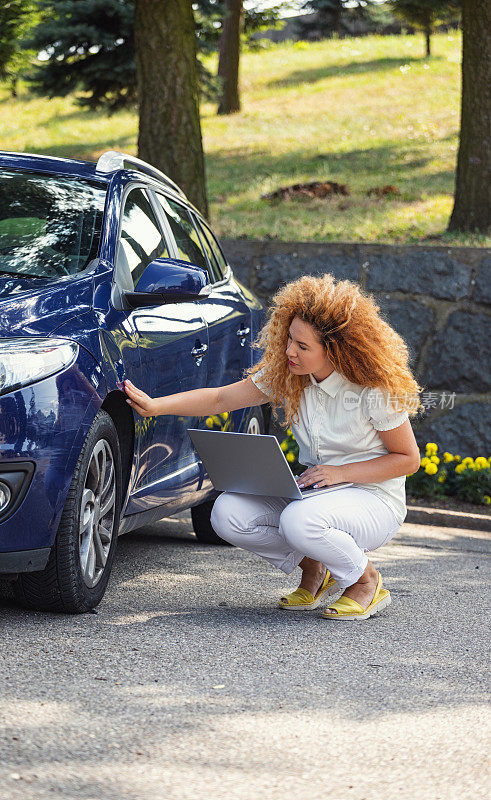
x=169 y=280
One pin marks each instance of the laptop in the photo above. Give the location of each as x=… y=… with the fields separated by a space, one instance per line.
x=250 y=464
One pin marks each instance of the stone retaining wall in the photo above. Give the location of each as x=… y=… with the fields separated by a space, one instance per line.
x=437 y=298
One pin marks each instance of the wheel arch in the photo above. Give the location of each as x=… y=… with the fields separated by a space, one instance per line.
x=116 y=406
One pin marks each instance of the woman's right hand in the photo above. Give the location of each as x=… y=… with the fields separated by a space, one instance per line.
x=143 y=404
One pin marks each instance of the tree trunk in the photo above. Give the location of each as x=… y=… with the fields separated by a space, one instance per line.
x=338 y=21
x=472 y=207
x=169 y=135
x=228 y=64
x=428 y=41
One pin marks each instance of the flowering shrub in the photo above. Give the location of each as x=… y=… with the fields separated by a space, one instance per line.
x=218 y=422
x=466 y=478
x=290 y=449
x=449 y=475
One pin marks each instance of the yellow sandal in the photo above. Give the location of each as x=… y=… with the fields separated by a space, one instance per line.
x=302 y=599
x=347 y=608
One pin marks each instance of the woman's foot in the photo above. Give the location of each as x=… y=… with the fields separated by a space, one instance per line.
x=347 y=607
x=363 y=591
x=313 y=573
x=317 y=583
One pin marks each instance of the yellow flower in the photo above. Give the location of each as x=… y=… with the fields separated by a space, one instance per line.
x=431 y=448
x=457 y=458
x=441 y=479
x=481 y=462
x=284 y=445
x=225 y=415
x=209 y=422
x=460 y=468
x=431 y=468
x=435 y=459
x=290 y=457
x=289 y=432
x=447 y=457
x=425 y=461
x=487 y=499
x=468 y=460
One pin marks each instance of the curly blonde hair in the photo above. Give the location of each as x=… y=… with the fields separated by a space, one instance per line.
x=358 y=341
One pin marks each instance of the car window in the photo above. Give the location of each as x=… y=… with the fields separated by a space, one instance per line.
x=50 y=226
x=222 y=261
x=187 y=240
x=141 y=240
x=216 y=271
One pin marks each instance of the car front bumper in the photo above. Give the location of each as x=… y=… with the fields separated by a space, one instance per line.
x=24 y=561
x=43 y=426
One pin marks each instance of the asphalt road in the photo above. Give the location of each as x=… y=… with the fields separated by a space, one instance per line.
x=189 y=683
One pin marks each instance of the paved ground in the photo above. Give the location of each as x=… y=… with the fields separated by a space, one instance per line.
x=188 y=683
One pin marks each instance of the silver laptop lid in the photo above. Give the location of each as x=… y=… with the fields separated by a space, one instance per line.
x=250 y=464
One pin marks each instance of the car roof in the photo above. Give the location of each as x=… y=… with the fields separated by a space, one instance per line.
x=102 y=170
x=51 y=164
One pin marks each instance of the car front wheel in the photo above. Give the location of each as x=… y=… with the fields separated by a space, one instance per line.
x=76 y=575
x=201 y=514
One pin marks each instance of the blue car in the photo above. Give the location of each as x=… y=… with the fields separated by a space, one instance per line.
x=107 y=272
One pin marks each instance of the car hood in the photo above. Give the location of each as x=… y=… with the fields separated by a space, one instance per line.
x=38 y=306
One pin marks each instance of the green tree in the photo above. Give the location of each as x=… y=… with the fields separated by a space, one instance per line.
x=238 y=24
x=228 y=63
x=169 y=134
x=16 y=16
x=87 y=45
x=425 y=14
x=330 y=14
x=472 y=206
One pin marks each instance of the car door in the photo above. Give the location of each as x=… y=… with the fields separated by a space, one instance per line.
x=173 y=343
x=225 y=311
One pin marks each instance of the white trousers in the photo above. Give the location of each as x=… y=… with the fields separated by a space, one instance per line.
x=335 y=528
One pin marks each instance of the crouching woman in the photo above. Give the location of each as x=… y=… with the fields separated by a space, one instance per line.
x=340 y=373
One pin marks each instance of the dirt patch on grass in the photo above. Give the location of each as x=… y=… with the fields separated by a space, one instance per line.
x=383 y=191
x=312 y=189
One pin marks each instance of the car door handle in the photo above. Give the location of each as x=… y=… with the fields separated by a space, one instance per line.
x=242 y=333
x=198 y=353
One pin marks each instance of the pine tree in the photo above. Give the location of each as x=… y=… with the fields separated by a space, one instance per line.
x=425 y=14
x=329 y=14
x=88 y=47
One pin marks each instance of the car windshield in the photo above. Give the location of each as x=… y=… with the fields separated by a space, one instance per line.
x=49 y=226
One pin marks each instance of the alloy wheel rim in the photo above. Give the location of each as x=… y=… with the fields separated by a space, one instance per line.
x=253 y=426
x=97 y=512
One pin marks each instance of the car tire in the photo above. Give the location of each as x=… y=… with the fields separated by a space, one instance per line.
x=201 y=514
x=76 y=575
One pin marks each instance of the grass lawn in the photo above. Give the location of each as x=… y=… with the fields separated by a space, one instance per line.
x=365 y=112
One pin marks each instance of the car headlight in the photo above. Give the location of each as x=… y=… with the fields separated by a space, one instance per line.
x=24 y=361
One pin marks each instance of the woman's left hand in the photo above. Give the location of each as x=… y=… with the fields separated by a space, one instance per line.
x=320 y=475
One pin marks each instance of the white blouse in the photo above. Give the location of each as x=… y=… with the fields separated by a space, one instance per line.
x=338 y=423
